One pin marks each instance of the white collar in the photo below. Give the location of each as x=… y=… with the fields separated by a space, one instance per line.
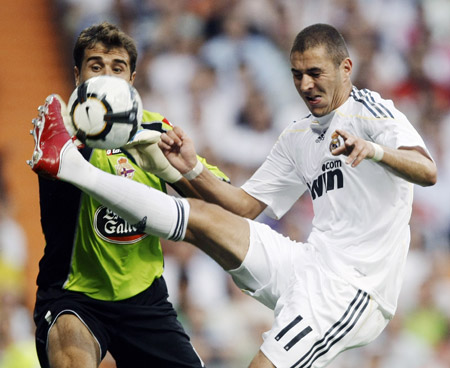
x=320 y=124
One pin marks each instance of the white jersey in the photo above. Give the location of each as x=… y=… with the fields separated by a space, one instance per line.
x=361 y=222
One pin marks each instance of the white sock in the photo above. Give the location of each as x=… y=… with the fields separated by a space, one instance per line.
x=147 y=209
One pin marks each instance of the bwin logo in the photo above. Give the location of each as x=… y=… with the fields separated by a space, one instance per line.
x=332 y=178
x=331 y=165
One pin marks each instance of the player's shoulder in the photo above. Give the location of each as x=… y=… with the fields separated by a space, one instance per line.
x=299 y=126
x=155 y=121
x=368 y=104
x=301 y=123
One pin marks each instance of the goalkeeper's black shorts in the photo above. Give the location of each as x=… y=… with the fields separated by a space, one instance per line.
x=142 y=331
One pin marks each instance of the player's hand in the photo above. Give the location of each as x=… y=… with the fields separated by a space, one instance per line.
x=179 y=149
x=357 y=149
x=148 y=156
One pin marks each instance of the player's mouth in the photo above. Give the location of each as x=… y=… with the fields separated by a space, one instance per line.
x=313 y=100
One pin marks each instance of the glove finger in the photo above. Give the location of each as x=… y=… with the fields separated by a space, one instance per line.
x=144 y=137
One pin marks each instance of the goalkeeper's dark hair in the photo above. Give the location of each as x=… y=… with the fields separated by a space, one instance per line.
x=325 y=35
x=110 y=36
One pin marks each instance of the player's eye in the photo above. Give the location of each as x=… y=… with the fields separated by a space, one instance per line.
x=315 y=73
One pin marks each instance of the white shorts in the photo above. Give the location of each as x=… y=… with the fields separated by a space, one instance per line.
x=317 y=313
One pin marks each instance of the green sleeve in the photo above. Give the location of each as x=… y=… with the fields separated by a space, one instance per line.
x=214 y=169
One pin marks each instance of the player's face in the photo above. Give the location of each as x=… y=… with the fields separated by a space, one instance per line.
x=101 y=61
x=321 y=84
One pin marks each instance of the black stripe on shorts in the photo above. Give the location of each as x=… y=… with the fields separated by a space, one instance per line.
x=337 y=331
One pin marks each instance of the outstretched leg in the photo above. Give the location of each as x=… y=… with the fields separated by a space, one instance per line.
x=221 y=234
x=53 y=146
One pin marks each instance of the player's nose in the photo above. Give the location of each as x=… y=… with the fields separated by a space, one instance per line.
x=307 y=83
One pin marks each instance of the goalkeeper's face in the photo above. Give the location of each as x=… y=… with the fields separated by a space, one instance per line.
x=100 y=60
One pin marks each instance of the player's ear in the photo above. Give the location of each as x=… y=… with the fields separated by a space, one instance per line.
x=76 y=74
x=347 y=66
x=132 y=77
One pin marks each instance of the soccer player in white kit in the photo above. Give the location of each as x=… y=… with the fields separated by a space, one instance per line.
x=358 y=157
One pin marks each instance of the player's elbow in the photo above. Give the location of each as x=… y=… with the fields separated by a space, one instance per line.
x=249 y=206
x=429 y=175
x=432 y=179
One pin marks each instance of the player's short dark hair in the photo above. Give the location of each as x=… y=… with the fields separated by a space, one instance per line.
x=318 y=35
x=110 y=36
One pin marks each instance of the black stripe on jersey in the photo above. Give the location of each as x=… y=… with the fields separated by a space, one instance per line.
x=179 y=227
x=379 y=105
x=288 y=327
x=365 y=97
x=337 y=331
x=156 y=125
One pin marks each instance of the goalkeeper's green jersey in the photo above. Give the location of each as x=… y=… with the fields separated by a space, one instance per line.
x=109 y=259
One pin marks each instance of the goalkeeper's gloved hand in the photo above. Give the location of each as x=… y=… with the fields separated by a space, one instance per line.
x=68 y=121
x=143 y=147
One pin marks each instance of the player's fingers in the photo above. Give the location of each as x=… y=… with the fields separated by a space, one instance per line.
x=342 y=133
x=354 y=160
x=178 y=131
x=168 y=143
x=360 y=152
x=338 y=151
x=171 y=138
x=166 y=139
x=164 y=146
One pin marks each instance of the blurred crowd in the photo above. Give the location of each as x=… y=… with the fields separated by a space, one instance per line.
x=16 y=326
x=220 y=70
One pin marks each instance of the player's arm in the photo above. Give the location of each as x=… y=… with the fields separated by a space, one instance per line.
x=411 y=163
x=180 y=151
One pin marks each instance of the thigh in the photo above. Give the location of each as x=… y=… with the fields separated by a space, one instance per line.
x=319 y=316
x=58 y=316
x=71 y=342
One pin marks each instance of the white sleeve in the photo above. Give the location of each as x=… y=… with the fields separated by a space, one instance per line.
x=397 y=132
x=276 y=182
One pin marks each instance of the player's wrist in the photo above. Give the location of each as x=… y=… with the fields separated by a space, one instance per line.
x=196 y=171
x=378 y=152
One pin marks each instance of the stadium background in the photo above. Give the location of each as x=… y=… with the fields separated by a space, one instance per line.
x=219 y=68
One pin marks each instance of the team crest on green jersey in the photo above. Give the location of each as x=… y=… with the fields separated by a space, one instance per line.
x=124 y=168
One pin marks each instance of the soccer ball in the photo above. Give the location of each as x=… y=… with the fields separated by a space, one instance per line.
x=105 y=112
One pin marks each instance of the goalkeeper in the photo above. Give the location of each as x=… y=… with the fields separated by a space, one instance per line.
x=99 y=290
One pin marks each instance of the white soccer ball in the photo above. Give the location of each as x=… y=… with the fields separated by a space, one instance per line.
x=106 y=112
